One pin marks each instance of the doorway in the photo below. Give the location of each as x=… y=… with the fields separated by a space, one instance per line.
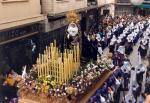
x=106 y=12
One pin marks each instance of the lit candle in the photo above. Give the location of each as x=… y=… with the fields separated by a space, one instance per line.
x=42 y=64
x=40 y=69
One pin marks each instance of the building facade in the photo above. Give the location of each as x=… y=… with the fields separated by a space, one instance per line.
x=25 y=32
x=107 y=7
x=115 y=7
x=119 y=7
x=18 y=12
x=56 y=24
x=20 y=23
x=56 y=11
x=144 y=8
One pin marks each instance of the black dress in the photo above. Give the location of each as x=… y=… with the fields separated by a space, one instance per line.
x=143 y=50
x=94 y=48
x=112 y=48
x=128 y=48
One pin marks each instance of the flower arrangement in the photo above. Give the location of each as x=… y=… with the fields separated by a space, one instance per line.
x=47 y=89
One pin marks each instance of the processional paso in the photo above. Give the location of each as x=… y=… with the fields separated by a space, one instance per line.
x=60 y=66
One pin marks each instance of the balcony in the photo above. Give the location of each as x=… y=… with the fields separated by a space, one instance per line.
x=94 y=3
x=60 y=7
x=91 y=4
x=14 y=13
x=105 y=2
x=123 y=2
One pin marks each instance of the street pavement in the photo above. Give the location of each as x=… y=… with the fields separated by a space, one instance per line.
x=135 y=61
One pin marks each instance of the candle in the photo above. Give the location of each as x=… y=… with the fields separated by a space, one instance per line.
x=61 y=66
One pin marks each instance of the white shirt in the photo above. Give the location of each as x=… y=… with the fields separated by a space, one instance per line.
x=142 y=69
x=100 y=50
x=121 y=49
x=98 y=37
x=129 y=97
x=102 y=99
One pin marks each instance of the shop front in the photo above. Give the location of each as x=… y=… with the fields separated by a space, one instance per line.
x=123 y=9
x=19 y=47
x=144 y=9
x=108 y=9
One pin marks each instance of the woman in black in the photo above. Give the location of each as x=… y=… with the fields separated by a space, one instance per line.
x=128 y=46
x=144 y=44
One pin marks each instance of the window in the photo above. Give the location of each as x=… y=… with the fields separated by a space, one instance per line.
x=7 y=1
x=62 y=1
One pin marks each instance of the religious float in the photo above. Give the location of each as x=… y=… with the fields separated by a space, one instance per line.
x=59 y=77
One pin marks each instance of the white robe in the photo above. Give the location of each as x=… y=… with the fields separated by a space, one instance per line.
x=129 y=97
x=121 y=49
x=139 y=59
x=100 y=50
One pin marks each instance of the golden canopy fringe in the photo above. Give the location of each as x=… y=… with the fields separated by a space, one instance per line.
x=60 y=66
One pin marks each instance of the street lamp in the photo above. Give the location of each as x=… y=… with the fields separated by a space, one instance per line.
x=137 y=2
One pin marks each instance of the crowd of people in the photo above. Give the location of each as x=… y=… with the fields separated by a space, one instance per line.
x=119 y=34
x=78 y=85
x=120 y=88
x=123 y=33
x=110 y=91
x=121 y=37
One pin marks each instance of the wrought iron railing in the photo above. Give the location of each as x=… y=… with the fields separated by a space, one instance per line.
x=92 y=2
x=122 y=1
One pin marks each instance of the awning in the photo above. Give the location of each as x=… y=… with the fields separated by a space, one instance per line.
x=145 y=6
